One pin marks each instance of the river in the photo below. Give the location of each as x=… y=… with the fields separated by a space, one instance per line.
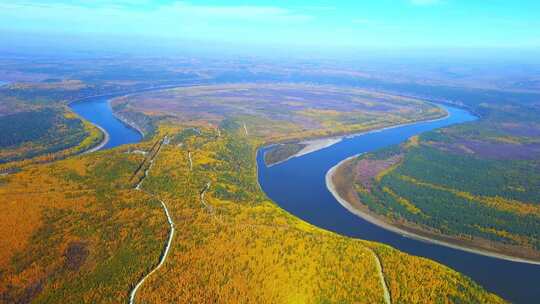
x=98 y=111
x=298 y=186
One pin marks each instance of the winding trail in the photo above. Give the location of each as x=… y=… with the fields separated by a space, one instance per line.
x=246 y=130
x=203 y=192
x=167 y=247
x=163 y=257
x=384 y=285
x=190 y=162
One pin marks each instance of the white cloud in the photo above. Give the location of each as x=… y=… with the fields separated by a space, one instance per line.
x=177 y=19
x=179 y=8
x=245 y=12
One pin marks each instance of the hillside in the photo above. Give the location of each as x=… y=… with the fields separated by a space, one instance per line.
x=86 y=234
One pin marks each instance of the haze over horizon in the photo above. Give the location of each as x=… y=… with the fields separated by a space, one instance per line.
x=313 y=26
x=270 y=151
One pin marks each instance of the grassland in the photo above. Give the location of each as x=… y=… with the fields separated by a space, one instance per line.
x=280 y=112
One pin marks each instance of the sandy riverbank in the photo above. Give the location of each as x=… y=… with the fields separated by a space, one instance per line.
x=376 y=221
x=316 y=144
x=310 y=146
x=102 y=144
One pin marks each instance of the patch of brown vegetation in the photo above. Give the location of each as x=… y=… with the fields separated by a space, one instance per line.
x=75 y=255
x=29 y=293
x=367 y=169
x=343 y=181
x=280 y=112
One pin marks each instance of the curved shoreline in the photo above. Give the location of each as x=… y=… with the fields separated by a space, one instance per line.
x=106 y=135
x=320 y=143
x=126 y=122
x=373 y=220
x=106 y=138
x=118 y=117
x=111 y=96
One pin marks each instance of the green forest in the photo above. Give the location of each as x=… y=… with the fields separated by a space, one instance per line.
x=38 y=132
x=478 y=181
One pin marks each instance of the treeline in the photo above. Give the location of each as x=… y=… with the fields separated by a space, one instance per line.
x=456 y=215
x=45 y=96
x=511 y=179
x=143 y=122
x=39 y=132
x=440 y=207
x=472 y=180
x=237 y=164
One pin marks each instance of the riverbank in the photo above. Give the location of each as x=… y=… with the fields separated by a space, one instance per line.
x=115 y=128
x=315 y=144
x=306 y=147
x=111 y=96
x=106 y=138
x=416 y=234
x=128 y=123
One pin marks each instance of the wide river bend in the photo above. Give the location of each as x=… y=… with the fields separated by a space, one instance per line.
x=298 y=186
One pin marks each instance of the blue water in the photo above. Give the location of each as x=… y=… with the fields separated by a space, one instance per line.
x=98 y=111
x=298 y=186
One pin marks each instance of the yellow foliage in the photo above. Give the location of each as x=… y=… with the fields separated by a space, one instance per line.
x=236 y=246
x=412 y=142
x=496 y=202
x=404 y=202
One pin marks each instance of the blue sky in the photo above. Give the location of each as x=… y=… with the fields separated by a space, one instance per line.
x=360 y=24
